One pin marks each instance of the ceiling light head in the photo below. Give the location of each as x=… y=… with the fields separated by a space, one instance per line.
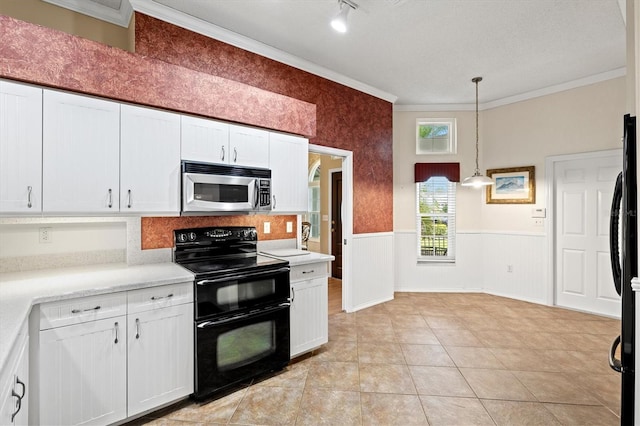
x=477 y=180
x=339 y=23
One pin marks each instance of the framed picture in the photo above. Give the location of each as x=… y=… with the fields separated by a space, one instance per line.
x=515 y=185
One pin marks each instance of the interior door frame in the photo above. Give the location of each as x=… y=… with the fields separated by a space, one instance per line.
x=330 y=206
x=347 y=218
x=550 y=223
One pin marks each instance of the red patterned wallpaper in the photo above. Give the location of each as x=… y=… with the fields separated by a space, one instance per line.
x=44 y=56
x=157 y=232
x=346 y=118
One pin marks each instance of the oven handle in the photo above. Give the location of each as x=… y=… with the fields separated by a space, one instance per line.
x=225 y=320
x=242 y=275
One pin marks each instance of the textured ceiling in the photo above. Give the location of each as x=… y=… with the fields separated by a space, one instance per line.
x=426 y=51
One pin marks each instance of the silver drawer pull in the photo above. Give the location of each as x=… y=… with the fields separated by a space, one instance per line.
x=29 y=189
x=309 y=272
x=110 y=198
x=77 y=311
x=162 y=297
x=137 y=328
x=115 y=325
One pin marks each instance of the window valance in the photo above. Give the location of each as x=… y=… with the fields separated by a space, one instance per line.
x=423 y=171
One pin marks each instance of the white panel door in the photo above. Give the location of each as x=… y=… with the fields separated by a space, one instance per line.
x=204 y=140
x=248 y=147
x=83 y=373
x=583 y=194
x=81 y=154
x=20 y=148
x=149 y=161
x=160 y=357
x=289 y=163
x=309 y=313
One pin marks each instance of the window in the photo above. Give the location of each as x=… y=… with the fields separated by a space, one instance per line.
x=435 y=136
x=313 y=215
x=436 y=219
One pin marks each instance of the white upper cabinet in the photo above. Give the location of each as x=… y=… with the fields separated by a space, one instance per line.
x=80 y=149
x=204 y=140
x=289 y=158
x=149 y=160
x=20 y=148
x=248 y=147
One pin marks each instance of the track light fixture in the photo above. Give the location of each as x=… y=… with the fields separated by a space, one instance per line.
x=477 y=180
x=339 y=23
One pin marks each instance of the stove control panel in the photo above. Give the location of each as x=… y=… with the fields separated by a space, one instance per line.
x=199 y=236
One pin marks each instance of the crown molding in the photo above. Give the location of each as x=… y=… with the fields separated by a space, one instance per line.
x=121 y=17
x=586 y=81
x=167 y=14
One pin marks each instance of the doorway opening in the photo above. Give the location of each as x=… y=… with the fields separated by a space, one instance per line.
x=330 y=217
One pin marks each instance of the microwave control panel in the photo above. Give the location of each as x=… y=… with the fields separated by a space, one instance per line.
x=265 y=192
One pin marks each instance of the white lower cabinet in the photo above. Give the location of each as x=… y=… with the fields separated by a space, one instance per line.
x=309 y=308
x=160 y=357
x=14 y=400
x=83 y=373
x=104 y=370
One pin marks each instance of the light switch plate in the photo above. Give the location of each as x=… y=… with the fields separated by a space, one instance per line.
x=289 y=226
x=267 y=227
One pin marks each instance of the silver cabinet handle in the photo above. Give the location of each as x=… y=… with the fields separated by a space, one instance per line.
x=235 y=155
x=274 y=202
x=309 y=272
x=77 y=311
x=29 y=189
x=24 y=387
x=137 y=328
x=222 y=153
x=129 y=199
x=293 y=294
x=18 y=401
x=162 y=297
x=110 y=198
x=116 y=327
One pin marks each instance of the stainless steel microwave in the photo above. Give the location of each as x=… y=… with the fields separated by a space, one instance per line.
x=217 y=188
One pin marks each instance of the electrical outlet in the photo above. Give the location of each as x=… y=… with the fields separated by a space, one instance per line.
x=267 y=227
x=509 y=268
x=538 y=222
x=45 y=235
x=289 y=226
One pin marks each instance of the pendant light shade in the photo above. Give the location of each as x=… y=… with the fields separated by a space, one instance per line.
x=477 y=180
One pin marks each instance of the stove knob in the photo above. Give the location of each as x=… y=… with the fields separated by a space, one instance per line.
x=182 y=238
x=192 y=236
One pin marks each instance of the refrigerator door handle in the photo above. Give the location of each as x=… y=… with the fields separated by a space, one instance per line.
x=614 y=234
x=615 y=363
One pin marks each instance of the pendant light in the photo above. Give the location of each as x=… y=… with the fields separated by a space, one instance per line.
x=477 y=180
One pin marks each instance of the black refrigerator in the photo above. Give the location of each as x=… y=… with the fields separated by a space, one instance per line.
x=623 y=237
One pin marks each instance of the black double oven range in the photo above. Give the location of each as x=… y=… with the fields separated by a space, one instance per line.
x=241 y=315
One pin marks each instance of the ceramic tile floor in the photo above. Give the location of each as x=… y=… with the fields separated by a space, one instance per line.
x=435 y=359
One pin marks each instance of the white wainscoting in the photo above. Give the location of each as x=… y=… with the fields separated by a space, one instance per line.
x=372 y=270
x=482 y=261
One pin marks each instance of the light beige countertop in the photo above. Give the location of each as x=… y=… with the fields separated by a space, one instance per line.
x=20 y=291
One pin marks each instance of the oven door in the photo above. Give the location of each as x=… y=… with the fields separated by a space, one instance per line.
x=241 y=291
x=233 y=349
x=205 y=192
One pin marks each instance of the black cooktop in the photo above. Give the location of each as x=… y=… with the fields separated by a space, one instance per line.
x=220 y=267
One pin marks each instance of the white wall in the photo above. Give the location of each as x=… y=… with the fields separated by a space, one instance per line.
x=492 y=237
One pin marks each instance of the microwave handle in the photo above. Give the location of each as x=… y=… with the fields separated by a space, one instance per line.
x=256 y=195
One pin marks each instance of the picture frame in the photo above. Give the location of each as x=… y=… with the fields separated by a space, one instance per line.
x=513 y=185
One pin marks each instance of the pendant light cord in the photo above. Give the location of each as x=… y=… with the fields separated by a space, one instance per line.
x=477 y=150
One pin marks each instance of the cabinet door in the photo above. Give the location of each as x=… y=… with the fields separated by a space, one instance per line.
x=14 y=400
x=160 y=356
x=83 y=373
x=204 y=140
x=80 y=148
x=149 y=160
x=309 y=315
x=288 y=160
x=248 y=147
x=20 y=148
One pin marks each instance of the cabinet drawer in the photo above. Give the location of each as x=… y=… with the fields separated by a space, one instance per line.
x=76 y=311
x=147 y=299
x=307 y=272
